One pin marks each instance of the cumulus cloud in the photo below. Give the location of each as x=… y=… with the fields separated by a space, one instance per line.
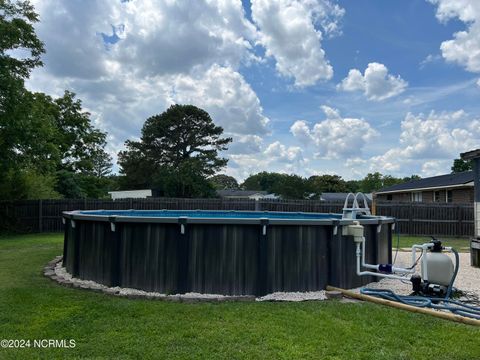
x=464 y=48
x=275 y=156
x=278 y=151
x=127 y=66
x=245 y=144
x=335 y=137
x=376 y=83
x=228 y=98
x=287 y=29
x=428 y=143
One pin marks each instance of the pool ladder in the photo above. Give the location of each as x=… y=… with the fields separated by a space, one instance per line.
x=352 y=212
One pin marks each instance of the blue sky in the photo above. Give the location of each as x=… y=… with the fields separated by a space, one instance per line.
x=309 y=87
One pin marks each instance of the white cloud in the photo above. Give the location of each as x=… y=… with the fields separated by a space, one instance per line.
x=288 y=32
x=429 y=59
x=182 y=52
x=245 y=144
x=276 y=157
x=376 y=83
x=175 y=37
x=335 y=137
x=464 y=48
x=429 y=143
x=226 y=96
x=278 y=151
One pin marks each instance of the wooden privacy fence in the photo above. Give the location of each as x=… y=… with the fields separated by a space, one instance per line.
x=412 y=219
x=431 y=219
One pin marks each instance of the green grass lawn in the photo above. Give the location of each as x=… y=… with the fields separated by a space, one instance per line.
x=460 y=244
x=34 y=307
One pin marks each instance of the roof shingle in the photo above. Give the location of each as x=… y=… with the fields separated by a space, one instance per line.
x=432 y=182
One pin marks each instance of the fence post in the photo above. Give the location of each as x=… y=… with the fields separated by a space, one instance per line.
x=40 y=216
x=257 y=205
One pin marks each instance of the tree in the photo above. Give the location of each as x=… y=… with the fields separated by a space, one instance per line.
x=263 y=181
x=353 y=186
x=318 y=184
x=40 y=137
x=411 y=178
x=376 y=181
x=178 y=151
x=24 y=184
x=81 y=145
x=287 y=186
x=291 y=187
x=17 y=21
x=224 y=182
x=460 y=165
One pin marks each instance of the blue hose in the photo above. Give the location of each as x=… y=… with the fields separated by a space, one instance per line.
x=453 y=306
x=457 y=265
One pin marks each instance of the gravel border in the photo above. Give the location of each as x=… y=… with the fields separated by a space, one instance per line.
x=468 y=280
x=55 y=271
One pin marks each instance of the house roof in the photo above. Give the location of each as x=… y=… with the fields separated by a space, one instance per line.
x=328 y=196
x=232 y=192
x=470 y=155
x=442 y=181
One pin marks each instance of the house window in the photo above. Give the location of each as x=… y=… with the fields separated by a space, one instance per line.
x=449 y=196
x=389 y=197
x=436 y=196
x=417 y=196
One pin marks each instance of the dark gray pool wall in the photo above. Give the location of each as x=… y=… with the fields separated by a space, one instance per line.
x=216 y=258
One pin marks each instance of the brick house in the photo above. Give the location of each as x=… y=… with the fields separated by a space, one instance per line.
x=451 y=188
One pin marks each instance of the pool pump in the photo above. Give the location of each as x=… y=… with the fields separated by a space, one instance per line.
x=437 y=271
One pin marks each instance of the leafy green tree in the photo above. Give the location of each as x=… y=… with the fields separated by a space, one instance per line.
x=39 y=136
x=68 y=184
x=460 y=165
x=376 y=181
x=223 y=182
x=81 y=145
x=353 y=186
x=287 y=186
x=101 y=161
x=178 y=151
x=23 y=184
x=264 y=181
x=318 y=184
x=371 y=182
x=291 y=187
x=17 y=19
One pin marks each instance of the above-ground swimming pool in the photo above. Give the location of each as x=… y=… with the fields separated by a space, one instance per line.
x=219 y=252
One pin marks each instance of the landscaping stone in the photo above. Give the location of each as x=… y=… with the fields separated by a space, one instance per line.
x=49 y=273
x=57 y=272
x=110 y=291
x=66 y=283
x=333 y=294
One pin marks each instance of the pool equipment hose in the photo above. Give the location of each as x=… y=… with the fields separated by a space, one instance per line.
x=423 y=290
x=425 y=301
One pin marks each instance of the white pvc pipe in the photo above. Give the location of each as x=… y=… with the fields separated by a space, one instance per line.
x=361 y=273
x=424 y=248
x=360 y=252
